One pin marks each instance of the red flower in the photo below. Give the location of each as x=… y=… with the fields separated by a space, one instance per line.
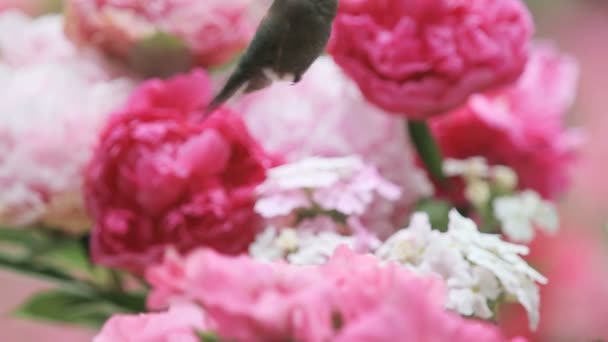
x=161 y=178
x=421 y=58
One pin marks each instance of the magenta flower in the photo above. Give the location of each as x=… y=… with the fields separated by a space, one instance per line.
x=161 y=178
x=421 y=58
x=521 y=126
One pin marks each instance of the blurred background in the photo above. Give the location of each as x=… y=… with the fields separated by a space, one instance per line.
x=575 y=303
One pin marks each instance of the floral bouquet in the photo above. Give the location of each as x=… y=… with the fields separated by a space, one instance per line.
x=390 y=195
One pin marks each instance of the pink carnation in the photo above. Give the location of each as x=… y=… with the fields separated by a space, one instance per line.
x=54 y=102
x=162 y=178
x=351 y=298
x=421 y=58
x=212 y=31
x=325 y=115
x=521 y=126
x=178 y=324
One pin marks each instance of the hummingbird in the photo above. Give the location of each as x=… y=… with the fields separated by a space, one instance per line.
x=292 y=34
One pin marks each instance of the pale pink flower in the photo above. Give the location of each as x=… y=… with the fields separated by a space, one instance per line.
x=31 y=7
x=211 y=31
x=51 y=110
x=324 y=187
x=26 y=41
x=179 y=324
x=421 y=58
x=325 y=115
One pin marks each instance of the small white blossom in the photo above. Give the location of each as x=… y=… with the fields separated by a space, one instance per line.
x=477 y=267
x=264 y=247
x=521 y=212
x=475 y=167
x=504 y=177
x=501 y=258
x=408 y=246
x=478 y=192
x=470 y=297
x=312 y=173
x=298 y=247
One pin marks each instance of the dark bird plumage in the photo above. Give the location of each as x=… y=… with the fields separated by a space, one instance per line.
x=289 y=39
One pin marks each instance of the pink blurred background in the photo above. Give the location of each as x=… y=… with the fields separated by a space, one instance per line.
x=575 y=304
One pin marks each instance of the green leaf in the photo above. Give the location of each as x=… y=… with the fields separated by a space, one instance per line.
x=67 y=254
x=29 y=268
x=22 y=237
x=438 y=211
x=208 y=336
x=134 y=302
x=64 y=307
x=160 y=55
x=427 y=148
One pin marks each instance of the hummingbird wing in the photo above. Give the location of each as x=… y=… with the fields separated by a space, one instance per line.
x=264 y=51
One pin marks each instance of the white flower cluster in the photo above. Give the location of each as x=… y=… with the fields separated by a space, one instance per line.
x=521 y=212
x=298 y=247
x=494 y=186
x=478 y=268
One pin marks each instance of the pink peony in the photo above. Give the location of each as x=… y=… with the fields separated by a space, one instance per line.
x=421 y=58
x=179 y=324
x=351 y=298
x=522 y=126
x=162 y=178
x=210 y=31
x=54 y=102
x=325 y=115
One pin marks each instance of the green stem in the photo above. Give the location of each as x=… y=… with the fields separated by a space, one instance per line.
x=130 y=302
x=427 y=149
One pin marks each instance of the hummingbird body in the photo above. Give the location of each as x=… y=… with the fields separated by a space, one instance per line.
x=289 y=39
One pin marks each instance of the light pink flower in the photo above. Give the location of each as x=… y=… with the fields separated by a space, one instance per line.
x=179 y=324
x=521 y=126
x=324 y=187
x=351 y=298
x=31 y=7
x=25 y=41
x=212 y=31
x=51 y=109
x=162 y=178
x=325 y=115
x=421 y=58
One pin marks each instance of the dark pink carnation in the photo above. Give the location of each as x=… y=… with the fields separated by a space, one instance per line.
x=420 y=58
x=160 y=177
x=351 y=298
x=521 y=126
